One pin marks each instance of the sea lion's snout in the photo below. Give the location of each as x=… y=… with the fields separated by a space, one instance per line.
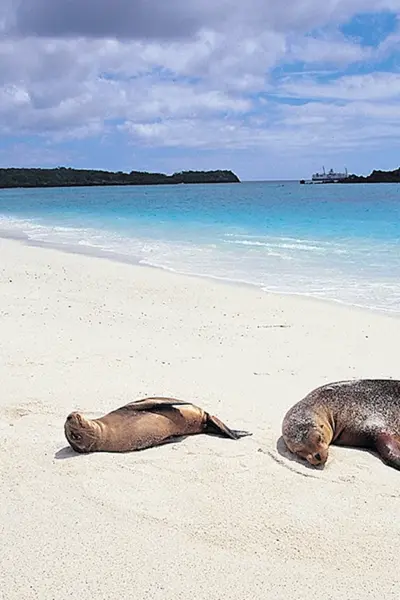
x=75 y=418
x=78 y=432
x=314 y=459
x=318 y=458
x=73 y=426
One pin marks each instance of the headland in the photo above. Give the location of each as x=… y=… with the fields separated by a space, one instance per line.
x=68 y=177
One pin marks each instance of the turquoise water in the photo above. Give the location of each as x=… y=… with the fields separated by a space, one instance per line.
x=339 y=242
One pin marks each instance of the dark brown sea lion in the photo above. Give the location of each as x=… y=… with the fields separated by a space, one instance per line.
x=363 y=413
x=142 y=424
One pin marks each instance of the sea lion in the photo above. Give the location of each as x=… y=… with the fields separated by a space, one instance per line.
x=362 y=412
x=142 y=424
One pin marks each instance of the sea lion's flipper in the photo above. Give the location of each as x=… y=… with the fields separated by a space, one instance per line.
x=388 y=448
x=214 y=425
x=153 y=403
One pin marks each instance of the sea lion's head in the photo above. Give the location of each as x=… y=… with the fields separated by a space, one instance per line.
x=308 y=438
x=80 y=432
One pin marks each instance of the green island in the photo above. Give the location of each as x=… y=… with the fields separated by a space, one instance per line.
x=375 y=176
x=68 y=177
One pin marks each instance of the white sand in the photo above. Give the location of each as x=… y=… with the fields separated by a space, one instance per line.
x=207 y=517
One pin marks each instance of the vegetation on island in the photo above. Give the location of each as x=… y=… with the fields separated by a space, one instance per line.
x=375 y=176
x=68 y=177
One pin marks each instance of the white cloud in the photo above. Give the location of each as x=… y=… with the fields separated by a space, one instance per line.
x=283 y=129
x=199 y=85
x=342 y=125
x=373 y=86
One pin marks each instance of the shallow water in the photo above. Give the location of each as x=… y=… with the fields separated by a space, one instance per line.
x=338 y=242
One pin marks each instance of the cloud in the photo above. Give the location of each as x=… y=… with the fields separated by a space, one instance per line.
x=73 y=103
x=285 y=129
x=102 y=18
x=373 y=86
x=343 y=126
x=201 y=74
x=176 y=19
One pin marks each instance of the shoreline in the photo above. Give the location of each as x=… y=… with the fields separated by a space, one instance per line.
x=92 y=252
x=223 y=518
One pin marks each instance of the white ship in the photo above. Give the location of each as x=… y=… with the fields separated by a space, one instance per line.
x=330 y=177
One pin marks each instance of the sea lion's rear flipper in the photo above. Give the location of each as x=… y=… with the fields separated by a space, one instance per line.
x=215 y=426
x=388 y=448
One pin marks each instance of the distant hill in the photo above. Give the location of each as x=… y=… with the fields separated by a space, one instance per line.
x=67 y=177
x=375 y=177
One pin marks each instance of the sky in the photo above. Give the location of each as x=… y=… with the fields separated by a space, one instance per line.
x=272 y=89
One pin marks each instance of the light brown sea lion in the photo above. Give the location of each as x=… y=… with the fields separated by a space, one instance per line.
x=142 y=424
x=363 y=413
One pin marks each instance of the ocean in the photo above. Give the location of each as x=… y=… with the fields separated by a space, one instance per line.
x=335 y=242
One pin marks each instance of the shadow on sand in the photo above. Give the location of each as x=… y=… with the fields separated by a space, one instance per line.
x=68 y=452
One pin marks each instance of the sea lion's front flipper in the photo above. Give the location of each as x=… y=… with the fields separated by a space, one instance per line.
x=153 y=403
x=214 y=425
x=388 y=448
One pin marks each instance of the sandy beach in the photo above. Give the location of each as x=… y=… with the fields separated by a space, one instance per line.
x=204 y=518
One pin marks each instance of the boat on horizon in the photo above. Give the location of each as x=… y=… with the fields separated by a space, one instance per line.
x=330 y=177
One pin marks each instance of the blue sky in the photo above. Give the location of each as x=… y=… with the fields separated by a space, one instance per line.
x=268 y=89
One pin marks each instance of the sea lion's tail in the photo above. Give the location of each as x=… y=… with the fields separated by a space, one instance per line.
x=217 y=427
